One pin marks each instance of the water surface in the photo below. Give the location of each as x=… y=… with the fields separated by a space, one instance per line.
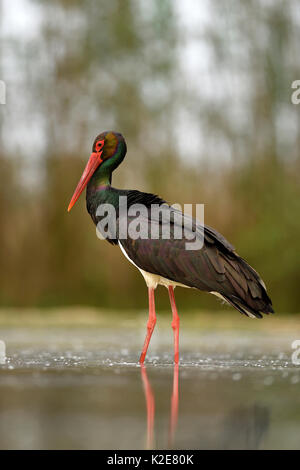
x=80 y=387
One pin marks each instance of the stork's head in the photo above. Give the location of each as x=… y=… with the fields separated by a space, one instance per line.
x=109 y=149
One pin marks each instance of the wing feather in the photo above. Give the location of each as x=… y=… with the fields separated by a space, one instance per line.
x=215 y=267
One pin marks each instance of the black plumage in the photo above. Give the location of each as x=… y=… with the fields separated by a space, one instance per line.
x=216 y=267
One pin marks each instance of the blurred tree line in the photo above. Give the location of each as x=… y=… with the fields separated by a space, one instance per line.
x=121 y=65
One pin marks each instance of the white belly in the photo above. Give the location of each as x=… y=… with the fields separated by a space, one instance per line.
x=152 y=280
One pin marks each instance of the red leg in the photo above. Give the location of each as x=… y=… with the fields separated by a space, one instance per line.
x=175 y=324
x=150 y=324
x=150 y=403
x=174 y=405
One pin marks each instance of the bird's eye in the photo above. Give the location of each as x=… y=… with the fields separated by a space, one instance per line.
x=99 y=145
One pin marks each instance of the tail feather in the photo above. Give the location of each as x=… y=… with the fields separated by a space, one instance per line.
x=248 y=295
x=245 y=310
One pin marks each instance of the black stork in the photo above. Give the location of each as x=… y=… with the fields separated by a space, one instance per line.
x=215 y=268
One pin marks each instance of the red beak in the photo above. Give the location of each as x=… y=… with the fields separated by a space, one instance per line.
x=92 y=165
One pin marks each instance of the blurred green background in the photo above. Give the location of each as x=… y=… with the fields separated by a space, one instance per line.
x=202 y=93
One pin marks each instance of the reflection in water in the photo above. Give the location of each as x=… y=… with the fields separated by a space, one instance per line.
x=174 y=406
x=241 y=428
x=245 y=427
x=150 y=404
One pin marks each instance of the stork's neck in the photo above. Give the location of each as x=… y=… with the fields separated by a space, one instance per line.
x=105 y=194
x=100 y=180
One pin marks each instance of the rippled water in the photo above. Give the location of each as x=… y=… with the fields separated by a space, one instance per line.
x=82 y=388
